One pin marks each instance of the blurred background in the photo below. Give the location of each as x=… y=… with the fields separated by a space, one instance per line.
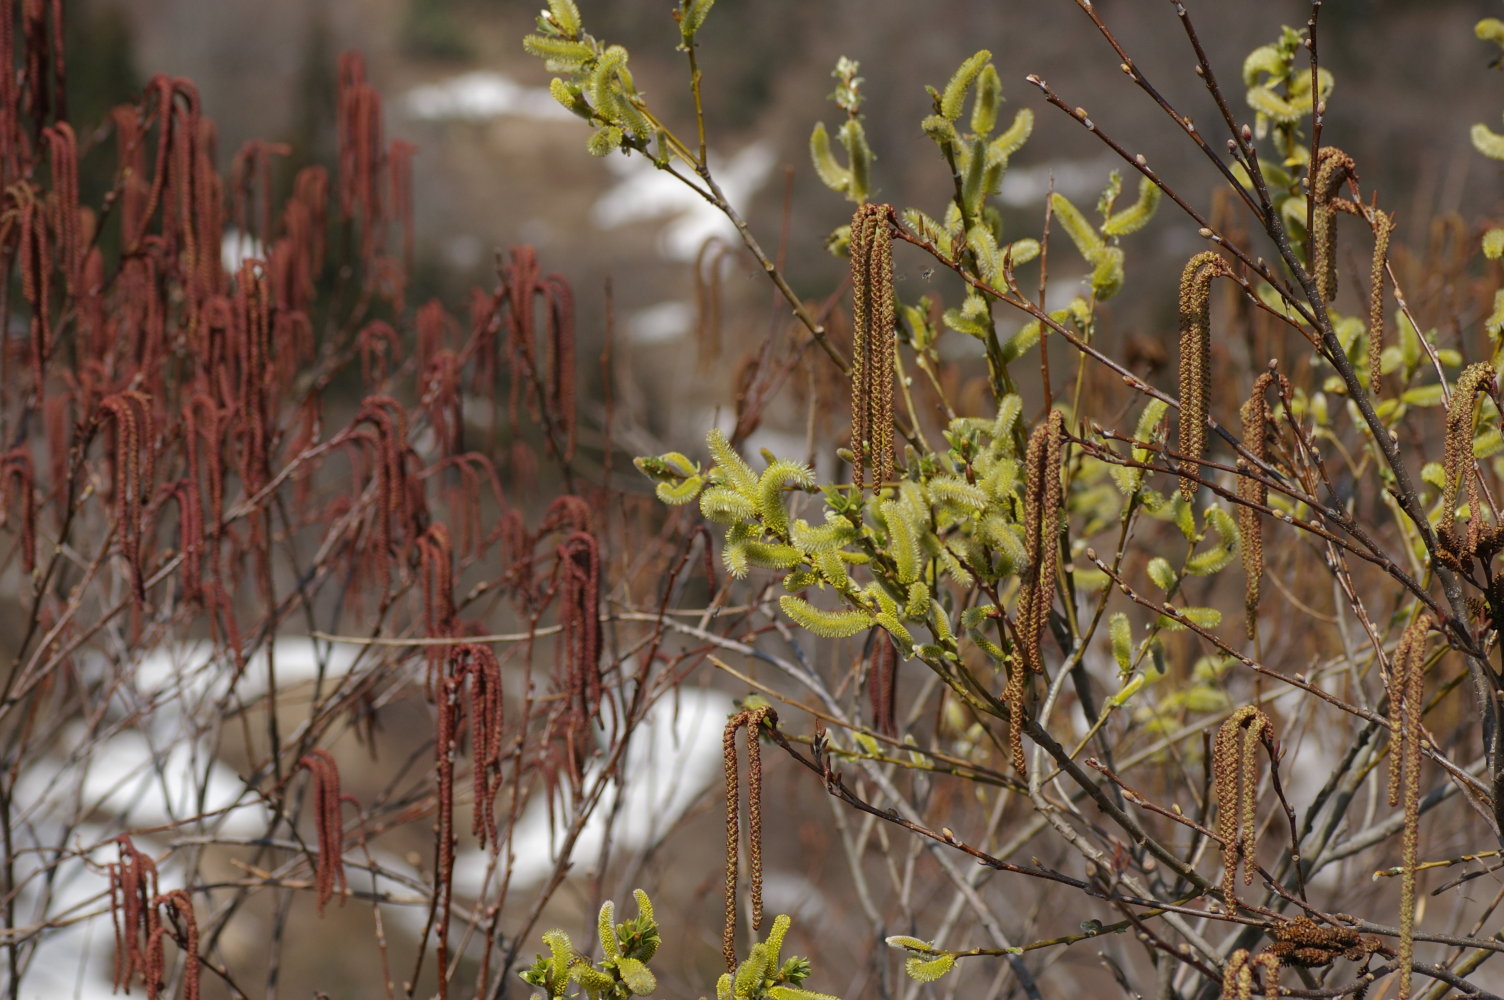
x=499 y=163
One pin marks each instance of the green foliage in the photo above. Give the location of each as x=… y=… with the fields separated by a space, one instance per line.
x=854 y=179
x=627 y=948
x=1020 y=545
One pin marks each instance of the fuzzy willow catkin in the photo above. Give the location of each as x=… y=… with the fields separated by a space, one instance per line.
x=1253 y=491
x=1195 y=358
x=1235 y=783
x=1406 y=704
x=1457 y=460
x=1333 y=167
x=872 y=345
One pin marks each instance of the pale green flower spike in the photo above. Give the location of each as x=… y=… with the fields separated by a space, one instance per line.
x=826 y=624
x=954 y=95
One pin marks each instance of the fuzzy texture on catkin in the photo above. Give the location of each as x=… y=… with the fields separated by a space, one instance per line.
x=1042 y=510
x=1406 y=704
x=752 y=721
x=1253 y=491
x=1333 y=167
x=1237 y=976
x=1195 y=359
x=1235 y=782
x=1383 y=228
x=872 y=345
x=1457 y=460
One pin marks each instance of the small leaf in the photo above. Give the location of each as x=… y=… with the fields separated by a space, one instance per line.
x=1423 y=395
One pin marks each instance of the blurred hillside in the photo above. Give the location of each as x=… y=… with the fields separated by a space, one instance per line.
x=500 y=164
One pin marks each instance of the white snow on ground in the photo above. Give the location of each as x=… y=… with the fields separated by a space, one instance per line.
x=666 y=321
x=644 y=193
x=675 y=754
x=235 y=248
x=74 y=961
x=145 y=779
x=1081 y=181
x=480 y=96
x=192 y=671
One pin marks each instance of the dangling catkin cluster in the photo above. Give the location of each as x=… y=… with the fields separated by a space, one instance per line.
x=1042 y=510
x=1236 y=786
x=1457 y=461
x=872 y=344
x=1237 y=978
x=1254 y=492
x=1195 y=358
x=751 y=720
x=1406 y=703
x=1333 y=167
x=1383 y=228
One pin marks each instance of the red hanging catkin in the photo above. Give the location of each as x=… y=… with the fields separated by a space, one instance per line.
x=330 y=866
